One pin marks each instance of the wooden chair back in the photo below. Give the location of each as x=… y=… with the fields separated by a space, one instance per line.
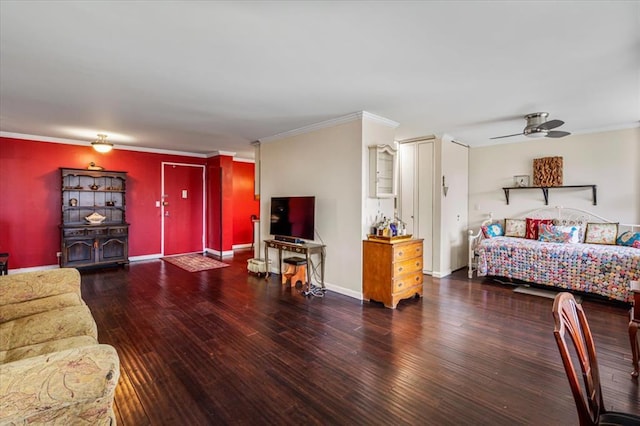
x=571 y=321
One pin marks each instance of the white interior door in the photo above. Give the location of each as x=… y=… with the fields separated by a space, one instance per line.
x=458 y=177
x=407 y=169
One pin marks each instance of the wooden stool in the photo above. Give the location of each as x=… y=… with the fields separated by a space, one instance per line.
x=296 y=271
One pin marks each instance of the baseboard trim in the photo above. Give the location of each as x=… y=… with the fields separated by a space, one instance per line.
x=33 y=269
x=145 y=257
x=228 y=253
x=441 y=274
x=241 y=246
x=343 y=291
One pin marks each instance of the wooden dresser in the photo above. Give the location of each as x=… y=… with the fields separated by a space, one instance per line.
x=391 y=271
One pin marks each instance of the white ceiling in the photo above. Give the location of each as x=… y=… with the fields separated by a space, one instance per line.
x=200 y=77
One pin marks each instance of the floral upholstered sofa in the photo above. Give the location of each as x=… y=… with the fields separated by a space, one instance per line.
x=52 y=368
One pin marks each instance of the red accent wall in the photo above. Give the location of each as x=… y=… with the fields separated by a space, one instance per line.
x=222 y=203
x=30 y=201
x=244 y=205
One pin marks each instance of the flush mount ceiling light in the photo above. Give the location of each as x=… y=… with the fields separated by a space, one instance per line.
x=101 y=144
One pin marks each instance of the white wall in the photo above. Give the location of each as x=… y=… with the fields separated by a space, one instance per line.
x=330 y=162
x=610 y=160
x=326 y=163
x=375 y=133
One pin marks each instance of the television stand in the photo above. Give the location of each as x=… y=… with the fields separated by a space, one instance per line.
x=306 y=249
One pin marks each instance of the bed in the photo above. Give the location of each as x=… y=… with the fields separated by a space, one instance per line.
x=579 y=259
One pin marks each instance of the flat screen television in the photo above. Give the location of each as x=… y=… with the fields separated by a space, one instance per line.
x=293 y=217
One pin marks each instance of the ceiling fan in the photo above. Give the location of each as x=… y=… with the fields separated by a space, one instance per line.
x=539 y=127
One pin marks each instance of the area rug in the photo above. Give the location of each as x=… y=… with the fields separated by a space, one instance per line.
x=548 y=294
x=194 y=262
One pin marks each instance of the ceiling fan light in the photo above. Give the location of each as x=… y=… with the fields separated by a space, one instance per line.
x=101 y=145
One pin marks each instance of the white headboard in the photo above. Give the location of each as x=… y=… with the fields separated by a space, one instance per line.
x=567 y=215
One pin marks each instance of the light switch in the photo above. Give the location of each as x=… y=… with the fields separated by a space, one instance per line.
x=184 y=193
x=157 y=203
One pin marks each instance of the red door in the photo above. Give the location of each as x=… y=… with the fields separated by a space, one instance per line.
x=183 y=208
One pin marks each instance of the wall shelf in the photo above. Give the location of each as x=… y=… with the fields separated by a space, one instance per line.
x=545 y=191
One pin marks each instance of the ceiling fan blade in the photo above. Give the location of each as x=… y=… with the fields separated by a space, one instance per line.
x=548 y=125
x=507 y=136
x=557 y=134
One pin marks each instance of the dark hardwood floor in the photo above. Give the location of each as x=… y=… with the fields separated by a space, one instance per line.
x=226 y=347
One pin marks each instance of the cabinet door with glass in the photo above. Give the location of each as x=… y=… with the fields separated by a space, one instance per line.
x=382 y=171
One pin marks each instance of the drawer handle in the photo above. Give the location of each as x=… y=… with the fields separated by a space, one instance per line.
x=400 y=269
x=417 y=278
x=400 y=284
x=417 y=263
x=399 y=253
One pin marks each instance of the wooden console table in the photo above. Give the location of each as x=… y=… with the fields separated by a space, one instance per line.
x=306 y=249
x=633 y=331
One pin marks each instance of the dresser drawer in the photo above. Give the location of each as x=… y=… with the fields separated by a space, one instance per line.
x=407 y=251
x=97 y=232
x=74 y=232
x=407 y=281
x=118 y=231
x=406 y=266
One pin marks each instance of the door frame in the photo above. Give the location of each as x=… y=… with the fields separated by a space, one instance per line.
x=163 y=196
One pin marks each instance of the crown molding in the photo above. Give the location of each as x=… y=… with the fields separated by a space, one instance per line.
x=38 y=138
x=217 y=153
x=360 y=115
x=244 y=160
x=380 y=120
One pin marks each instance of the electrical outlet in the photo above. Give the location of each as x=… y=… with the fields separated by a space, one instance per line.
x=59 y=254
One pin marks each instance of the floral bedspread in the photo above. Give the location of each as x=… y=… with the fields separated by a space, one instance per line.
x=600 y=269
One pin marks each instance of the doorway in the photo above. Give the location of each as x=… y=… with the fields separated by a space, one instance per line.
x=183 y=208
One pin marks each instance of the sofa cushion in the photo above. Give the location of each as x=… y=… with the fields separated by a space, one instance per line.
x=74 y=386
x=24 y=286
x=35 y=306
x=47 y=326
x=46 y=347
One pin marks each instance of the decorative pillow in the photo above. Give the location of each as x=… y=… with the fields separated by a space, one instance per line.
x=601 y=233
x=636 y=244
x=628 y=238
x=557 y=234
x=581 y=224
x=493 y=230
x=515 y=228
x=532 y=227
